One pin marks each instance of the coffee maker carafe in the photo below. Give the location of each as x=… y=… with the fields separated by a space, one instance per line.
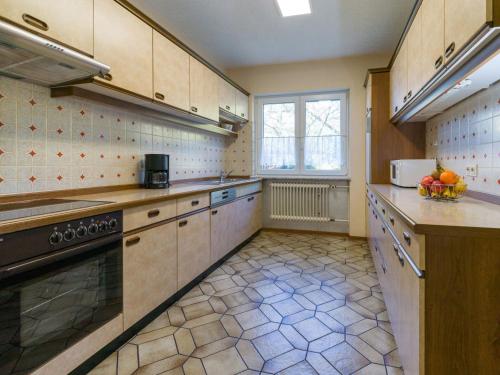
x=156 y=171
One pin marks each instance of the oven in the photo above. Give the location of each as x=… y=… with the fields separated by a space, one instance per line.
x=58 y=284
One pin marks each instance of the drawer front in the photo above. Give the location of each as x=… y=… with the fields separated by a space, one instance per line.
x=192 y=203
x=141 y=216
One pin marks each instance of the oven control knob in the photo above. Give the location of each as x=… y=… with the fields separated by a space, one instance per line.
x=93 y=228
x=55 y=238
x=69 y=234
x=103 y=226
x=113 y=223
x=81 y=231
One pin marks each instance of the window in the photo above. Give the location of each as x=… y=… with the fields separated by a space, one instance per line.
x=302 y=135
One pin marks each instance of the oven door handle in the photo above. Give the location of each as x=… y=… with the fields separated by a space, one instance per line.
x=27 y=265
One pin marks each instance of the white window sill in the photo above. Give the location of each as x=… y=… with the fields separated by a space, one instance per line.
x=304 y=177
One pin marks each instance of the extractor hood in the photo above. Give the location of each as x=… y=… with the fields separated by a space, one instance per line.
x=26 y=56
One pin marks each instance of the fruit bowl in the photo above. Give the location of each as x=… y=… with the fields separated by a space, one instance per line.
x=442 y=192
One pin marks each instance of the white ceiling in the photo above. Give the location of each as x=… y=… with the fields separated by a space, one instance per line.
x=234 y=33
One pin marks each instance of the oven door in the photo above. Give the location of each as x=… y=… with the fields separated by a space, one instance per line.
x=57 y=300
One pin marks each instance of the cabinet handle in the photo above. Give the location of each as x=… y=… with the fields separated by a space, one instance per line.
x=153 y=213
x=401 y=258
x=242 y=115
x=228 y=107
x=376 y=249
x=194 y=109
x=396 y=248
x=159 y=95
x=391 y=219
x=396 y=108
x=383 y=211
x=409 y=94
x=384 y=268
x=405 y=99
x=107 y=77
x=383 y=229
x=438 y=62
x=250 y=199
x=132 y=241
x=195 y=203
x=35 y=22
x=214 y=212
x=407 y=237
x=183 y=223
x=449 y=50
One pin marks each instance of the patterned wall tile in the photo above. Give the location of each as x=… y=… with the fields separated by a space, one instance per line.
x=469 y=135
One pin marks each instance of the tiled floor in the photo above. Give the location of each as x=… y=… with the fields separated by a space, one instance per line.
x=286 y=303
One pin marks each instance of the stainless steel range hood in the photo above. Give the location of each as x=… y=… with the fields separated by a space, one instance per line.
x=29 y=57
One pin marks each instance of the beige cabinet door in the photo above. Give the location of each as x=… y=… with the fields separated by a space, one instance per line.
x=414 y=51
x=125 y=43
x=69 y=22
x=463 y=19
x=203 y=90
x=256 y=217
x=170 y=73
x=399 y=79
x=432 y=37
x=241 y=105
x=221 y=227
x=193 y=236
x=227 y=96
x=149 y=270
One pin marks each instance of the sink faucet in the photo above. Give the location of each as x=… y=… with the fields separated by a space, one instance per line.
x=224 y=175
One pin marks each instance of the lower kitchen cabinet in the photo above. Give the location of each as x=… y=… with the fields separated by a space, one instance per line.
x=193 y=240
x=149 y=270
x=249 y=219
x=223 y=239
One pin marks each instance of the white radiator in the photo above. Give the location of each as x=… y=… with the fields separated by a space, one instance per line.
x=302 y=202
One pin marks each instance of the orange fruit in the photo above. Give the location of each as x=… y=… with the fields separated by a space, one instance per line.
x=448 y=178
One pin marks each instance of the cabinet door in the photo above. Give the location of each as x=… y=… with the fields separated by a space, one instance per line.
x=203 y=90
x=170 y=73
x=432 y=37
x=414 y=51
x=149 y=270
x=256 y=217
x=69 y=22
x=463 y=19
x=125 y=43
x=227 y=96
x=221 y=234
x=241 y=105
x=193 y=237
x=399 y=79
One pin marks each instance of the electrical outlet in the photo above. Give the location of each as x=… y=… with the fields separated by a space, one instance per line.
x=471 y=170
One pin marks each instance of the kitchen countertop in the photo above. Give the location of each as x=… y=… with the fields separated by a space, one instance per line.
x=467 y=216
x=118 y=200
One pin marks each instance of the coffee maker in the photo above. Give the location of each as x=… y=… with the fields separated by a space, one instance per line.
x=156 y=171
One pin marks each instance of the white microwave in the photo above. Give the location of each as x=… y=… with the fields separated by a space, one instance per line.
x=409 y=172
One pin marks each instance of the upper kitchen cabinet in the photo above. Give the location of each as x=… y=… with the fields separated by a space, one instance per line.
x=125 y=43
x=68 y=22
x=399 y=79
x=414 y=51
x=170 y=73
x=241 y=105
x=203 y=90
x=227 y=96
x=463 y=19
x=432 y=19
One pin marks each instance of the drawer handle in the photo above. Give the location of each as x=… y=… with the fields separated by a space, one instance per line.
x=39 y=24
x=159 y=95
x=383 y=229
x=438 y=62
x=449 y=50
x=195 y=203
x=407 y=237
x=194 y=109
x=401 y=259
x=369 y=205
x=396 y=108
x=107 y=77
x=183 y=223
x=376 y=201
x=133 y=241
x=214 y=212
x=383 y=211
x=405 y=99
x=409 y=94
x=228 y=107
x=396 y=248
x=153 y=213
x=250 y=199
x=391 y=219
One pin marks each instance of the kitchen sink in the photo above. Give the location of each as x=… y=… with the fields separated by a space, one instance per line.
x=218 y=181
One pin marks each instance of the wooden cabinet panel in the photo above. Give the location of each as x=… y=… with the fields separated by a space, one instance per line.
x=241 y=105
x=69 y=22
x=170 y=73
x=463 y=19
x=399 y=79
x=227 y=96
x=116 y=32
x=414 y=51
x=432 y=37
x=222 y=236
x=192 y=203
x=149 y=270
x=141 y=216
x=193 y=236
x=203 y=90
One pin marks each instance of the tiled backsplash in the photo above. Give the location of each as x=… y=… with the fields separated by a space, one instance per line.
x=60 y=143
x=468 y=134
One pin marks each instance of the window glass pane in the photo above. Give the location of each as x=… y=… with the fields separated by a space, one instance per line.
x=323 y=145
x=278 y=143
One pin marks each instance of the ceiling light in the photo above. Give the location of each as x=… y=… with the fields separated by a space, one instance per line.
x=294 y=7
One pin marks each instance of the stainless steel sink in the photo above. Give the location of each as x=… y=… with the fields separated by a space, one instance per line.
x=217 y=181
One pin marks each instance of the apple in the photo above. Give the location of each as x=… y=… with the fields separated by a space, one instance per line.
x=437 y=186
x=427 y=180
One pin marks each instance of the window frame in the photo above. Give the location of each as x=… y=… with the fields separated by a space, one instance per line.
x=300 y=100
